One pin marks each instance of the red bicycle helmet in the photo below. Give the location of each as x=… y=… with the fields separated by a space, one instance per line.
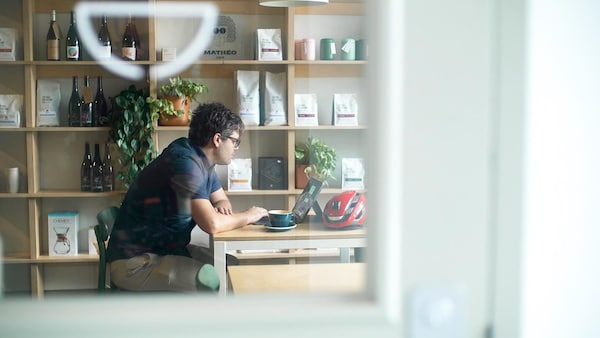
x=345 y=210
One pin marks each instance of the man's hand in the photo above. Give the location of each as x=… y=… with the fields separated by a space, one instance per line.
x=224 y=211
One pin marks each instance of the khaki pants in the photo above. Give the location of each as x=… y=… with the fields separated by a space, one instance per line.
x=151 y=272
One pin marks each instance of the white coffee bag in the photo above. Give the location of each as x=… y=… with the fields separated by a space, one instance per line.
x=306 y=110
x=239 y=174
x=353 y=174
x=48 y=101
x=345 y=110
x=11 y=107
x=8 y=43
x=247 y=84
x=268 y=44
x=275 y=99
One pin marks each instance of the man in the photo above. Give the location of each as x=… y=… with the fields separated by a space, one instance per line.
x=149 y=245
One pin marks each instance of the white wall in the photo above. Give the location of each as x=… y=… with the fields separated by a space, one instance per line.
x=448 y=145
x=562 y=185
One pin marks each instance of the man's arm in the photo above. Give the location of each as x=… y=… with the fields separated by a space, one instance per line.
x=209 y=217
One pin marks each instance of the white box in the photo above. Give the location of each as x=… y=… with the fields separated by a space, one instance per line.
x=62 y=233
x=169 y=54
x=92 y=243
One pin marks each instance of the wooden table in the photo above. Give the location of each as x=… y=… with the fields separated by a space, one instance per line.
x=304 y=236
x=296 y=278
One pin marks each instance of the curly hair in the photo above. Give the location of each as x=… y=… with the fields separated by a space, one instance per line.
x=211 y=118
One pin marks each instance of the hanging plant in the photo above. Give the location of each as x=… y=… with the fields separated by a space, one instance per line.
x=132 y=127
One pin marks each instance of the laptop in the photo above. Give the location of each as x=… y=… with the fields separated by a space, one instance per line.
x=306 y=201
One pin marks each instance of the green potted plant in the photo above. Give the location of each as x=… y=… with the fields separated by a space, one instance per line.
x=173 y=104
x=132 y=127
x=314 y=158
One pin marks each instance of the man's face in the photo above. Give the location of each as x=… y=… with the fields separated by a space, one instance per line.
x=227 y=147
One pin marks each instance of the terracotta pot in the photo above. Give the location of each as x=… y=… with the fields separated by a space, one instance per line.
x=181 y=120
x=301 y=178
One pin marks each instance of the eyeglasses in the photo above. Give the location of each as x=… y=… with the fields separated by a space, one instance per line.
x=236 y=141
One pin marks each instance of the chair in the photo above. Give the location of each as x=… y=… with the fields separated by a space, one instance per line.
x=106 y=219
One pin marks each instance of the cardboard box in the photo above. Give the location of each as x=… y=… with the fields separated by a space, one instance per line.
x=62 y=233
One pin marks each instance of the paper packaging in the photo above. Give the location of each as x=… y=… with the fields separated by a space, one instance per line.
x=47 y=103
x=11 y=107
x=8 y=41
x=268 y=44
x=353 y=174
x=306 y=110
x=239 y=174
x=62 y=233
x=92 y=243
x=247 y=84
x=275 y=102
x=345 y=110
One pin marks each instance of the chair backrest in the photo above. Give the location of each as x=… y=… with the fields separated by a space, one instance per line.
x=106 y=220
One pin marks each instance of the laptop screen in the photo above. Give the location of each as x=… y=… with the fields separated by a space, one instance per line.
x=307 y=199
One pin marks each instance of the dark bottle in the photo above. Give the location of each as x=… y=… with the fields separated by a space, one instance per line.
x=73 y=47
x=87 y=104
x=107 y=170
x=139 y=52
x=97 y=177
x=53 y=39
x=86 y=170
x=75 y=106
x=105 y=48
x=129 y=43
x=100 y=106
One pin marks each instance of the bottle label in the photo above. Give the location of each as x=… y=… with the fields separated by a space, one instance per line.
x=104 y=52
x=53 y=50
x=86 y=184
x=73 y=52
x=128 y=53
x=97 y=184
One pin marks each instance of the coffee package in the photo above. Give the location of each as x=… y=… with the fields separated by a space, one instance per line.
x=247 y=84
x=11 y=107
x=275 y=99
x=239 y=175
x=345 y=110
x=268 y=44
x=48 y=101
x=306 y=110
x=353 y=174
x=8 y=44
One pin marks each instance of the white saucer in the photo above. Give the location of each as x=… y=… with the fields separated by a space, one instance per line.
x=272 y=228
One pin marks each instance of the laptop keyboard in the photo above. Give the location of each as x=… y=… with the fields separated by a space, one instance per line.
x=263 y=221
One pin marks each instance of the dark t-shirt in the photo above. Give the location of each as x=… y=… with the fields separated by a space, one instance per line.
x=155 y=215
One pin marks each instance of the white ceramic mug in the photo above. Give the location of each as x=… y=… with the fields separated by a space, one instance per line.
x=12 y=175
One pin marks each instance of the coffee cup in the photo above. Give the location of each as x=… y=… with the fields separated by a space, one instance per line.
x=305 y=49
x=348 y=49
x=327 y=49
x=12 y=175
x=281 y=218
x=362 y=49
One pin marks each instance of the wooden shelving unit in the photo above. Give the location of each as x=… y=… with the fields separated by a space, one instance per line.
x=49 y=157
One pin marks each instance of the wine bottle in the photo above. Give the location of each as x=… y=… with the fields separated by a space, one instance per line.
x=53 y=39
x=86 y=170
x=73 y=47
x=75 y=105
x=100 y=106
x=105 y=48
x=129 y=44
x=97 y=177
x=139 y=52
x=87 y=104
x=107 y=170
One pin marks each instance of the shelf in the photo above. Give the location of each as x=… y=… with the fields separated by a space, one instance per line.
x=17 y=259
x=35 y=149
